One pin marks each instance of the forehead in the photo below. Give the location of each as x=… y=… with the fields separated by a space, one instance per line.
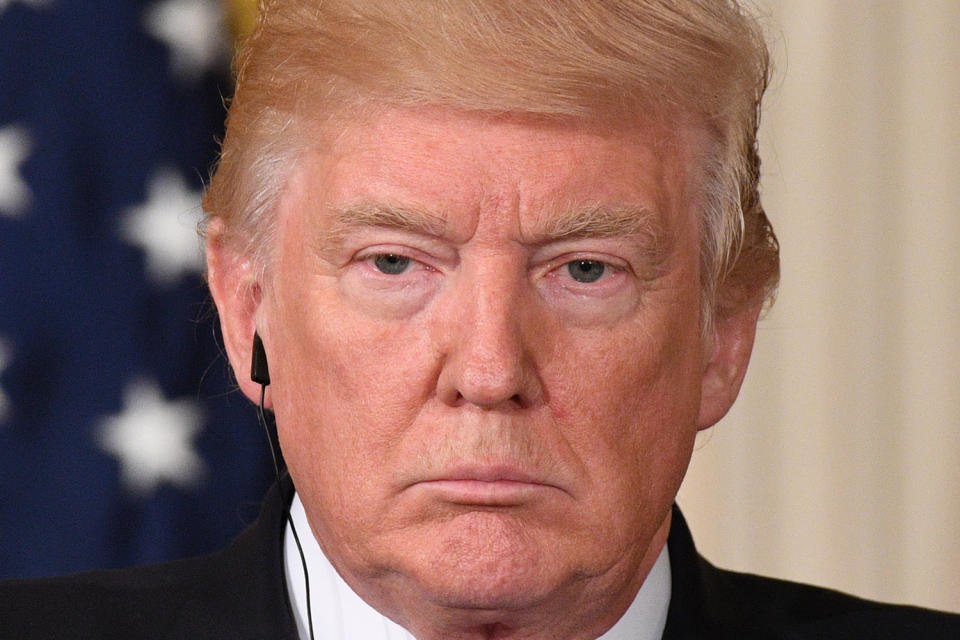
x=458 y=165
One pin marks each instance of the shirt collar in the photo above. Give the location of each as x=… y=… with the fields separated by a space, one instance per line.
x=339 y=613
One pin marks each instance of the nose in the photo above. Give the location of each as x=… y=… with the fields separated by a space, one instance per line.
x=489 y=362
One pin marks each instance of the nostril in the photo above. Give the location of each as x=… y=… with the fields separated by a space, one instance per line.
x=515 y=401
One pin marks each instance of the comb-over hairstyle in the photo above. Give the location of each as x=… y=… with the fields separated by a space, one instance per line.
x=679 y=61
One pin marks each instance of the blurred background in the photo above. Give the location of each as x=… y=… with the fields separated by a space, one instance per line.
x=840 y=462
x=122 y=443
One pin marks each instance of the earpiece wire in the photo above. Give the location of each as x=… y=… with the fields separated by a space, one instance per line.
x=261 y=416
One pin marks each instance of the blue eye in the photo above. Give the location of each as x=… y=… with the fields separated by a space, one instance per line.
x=586 y=270
x=391 y=264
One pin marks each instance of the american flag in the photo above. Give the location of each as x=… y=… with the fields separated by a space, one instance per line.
x=121 y=441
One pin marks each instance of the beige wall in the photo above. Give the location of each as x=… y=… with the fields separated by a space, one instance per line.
x=840 y=464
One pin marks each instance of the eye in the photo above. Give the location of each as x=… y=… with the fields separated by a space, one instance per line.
x=586 y=271
x=391 y=263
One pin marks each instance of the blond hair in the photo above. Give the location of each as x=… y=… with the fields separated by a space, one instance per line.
x=692 y=60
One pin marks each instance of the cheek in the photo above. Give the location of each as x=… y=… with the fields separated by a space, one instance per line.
x=628 y=406
x=344 y=388
x=621 y=377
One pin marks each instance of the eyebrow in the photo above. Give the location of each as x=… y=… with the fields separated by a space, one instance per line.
x=600 y=221
x=634 y=222
x=372 y=214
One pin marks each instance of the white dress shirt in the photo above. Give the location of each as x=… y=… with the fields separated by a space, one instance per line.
x=340 y=614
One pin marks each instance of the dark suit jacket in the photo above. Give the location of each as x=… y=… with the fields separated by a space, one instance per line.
x=239 y=593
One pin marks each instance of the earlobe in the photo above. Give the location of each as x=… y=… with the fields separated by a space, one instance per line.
x=237 y=296
x=727 y=364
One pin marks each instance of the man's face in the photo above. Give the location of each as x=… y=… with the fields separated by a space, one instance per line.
x=485 y=350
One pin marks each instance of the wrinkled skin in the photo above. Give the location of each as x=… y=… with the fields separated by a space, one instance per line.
x=487 y=363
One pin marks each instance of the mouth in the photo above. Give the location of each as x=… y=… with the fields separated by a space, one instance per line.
x=486 y=486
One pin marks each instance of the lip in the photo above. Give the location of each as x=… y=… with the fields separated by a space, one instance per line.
x=486 y=486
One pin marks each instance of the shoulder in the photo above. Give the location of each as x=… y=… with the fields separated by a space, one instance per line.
x=773 y=608
x=145 y=602
x=239 y=592
x=716 y=603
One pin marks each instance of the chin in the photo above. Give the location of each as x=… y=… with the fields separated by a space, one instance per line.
x=489 y=560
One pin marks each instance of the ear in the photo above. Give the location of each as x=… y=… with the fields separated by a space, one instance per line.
x=237 y=295
x=726 y=364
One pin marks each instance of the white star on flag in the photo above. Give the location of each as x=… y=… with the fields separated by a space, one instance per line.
x=165 y=227
x=4 y=363
x=15 y=147
x=193 y=31
x=153 y=439
x=36 y=4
